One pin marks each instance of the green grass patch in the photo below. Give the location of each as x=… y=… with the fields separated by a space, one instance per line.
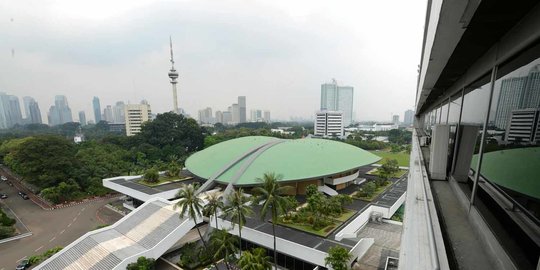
x=375 y=194
x=398 y=174
x=324 y=232
x=346 y=215
x=401 y=157
x=163 y=179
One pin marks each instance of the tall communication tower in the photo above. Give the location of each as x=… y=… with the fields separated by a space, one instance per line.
x=173 y=75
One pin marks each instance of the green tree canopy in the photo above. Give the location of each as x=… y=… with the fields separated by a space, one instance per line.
x=44 y=160
x=173 y=133
x=338 y=258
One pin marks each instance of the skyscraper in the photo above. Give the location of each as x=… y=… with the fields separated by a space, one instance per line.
x=15 y=110
x=205 y=116
x=108 y=114
x=256 y=116
x=97 y=109
x=34 y=114
x=26 y=104
x=118 y=113
x=82 y=118
x=517 y=93
x=395 y=119
x=338 y=98
x=219 y=117
x=267 y=117
x=10 y=111
x=173 y=75
x=235 y=113
x=60 y=112
x=408 y=117
x=242 y=109
x=136 y=115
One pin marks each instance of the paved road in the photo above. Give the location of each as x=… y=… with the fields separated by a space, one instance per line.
x=53 y=228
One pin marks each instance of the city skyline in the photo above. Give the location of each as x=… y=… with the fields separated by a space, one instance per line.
x=299 y=43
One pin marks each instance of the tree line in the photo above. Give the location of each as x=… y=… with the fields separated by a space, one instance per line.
x=62 y=170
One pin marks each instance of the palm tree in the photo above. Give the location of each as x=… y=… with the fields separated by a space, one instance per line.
x=191 y=205
x=254 y=260
x=224 y=244
x=238 y=210
x=214 y=203
x=271 y=194
x=337 y=258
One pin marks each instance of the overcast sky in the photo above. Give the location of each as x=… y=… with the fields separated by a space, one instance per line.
x=277 y=53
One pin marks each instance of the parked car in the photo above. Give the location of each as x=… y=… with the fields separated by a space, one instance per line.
x=3 y=178
x=3 y=196
x=24 y=264
x=23 y=195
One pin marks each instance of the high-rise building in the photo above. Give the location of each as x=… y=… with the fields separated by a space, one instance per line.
x=267 y=117
x=136 y=115
x=15 y=110
x=205 y=116
x=256 y=116
x=517 y=93
x=97 y=109
x=60 y=112
x=219 y=117
x=408 y=117
x=395 y=119
x=235 y=112
x=338 y=98
x=26 y=103
x=118 y=113
x=227 y=117
x=329 y=124
x=82 y=118
x=10 y=111
x=35 y=113
x=108 y=114
x=241 y=109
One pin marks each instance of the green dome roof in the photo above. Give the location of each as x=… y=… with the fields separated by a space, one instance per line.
x=293 y=159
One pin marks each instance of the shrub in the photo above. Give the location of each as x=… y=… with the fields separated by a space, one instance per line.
x=6 y=231
x=5 y=220
x=367 y=190
x=142 y=263
x=173 y=170
x=151 y=175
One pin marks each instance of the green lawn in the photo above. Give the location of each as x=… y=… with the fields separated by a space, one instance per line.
x=398 y=174
x=401 y=157
x=324 y=232
x=377 y=192
x=162 y=180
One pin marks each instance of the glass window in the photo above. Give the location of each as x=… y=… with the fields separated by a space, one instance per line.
x=475 y=107
x=455 y=107
x=444 y=114
x=511 y=159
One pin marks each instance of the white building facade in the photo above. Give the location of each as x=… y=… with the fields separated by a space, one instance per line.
x=329 y=124
x=136 y=115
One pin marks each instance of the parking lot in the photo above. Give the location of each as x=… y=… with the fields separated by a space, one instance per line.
x=50 y=228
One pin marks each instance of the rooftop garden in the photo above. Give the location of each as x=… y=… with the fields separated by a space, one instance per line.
x=152 y=177
x=321 y=215
x=371 y=189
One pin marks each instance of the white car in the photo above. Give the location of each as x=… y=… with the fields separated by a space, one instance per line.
x=3 y=178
